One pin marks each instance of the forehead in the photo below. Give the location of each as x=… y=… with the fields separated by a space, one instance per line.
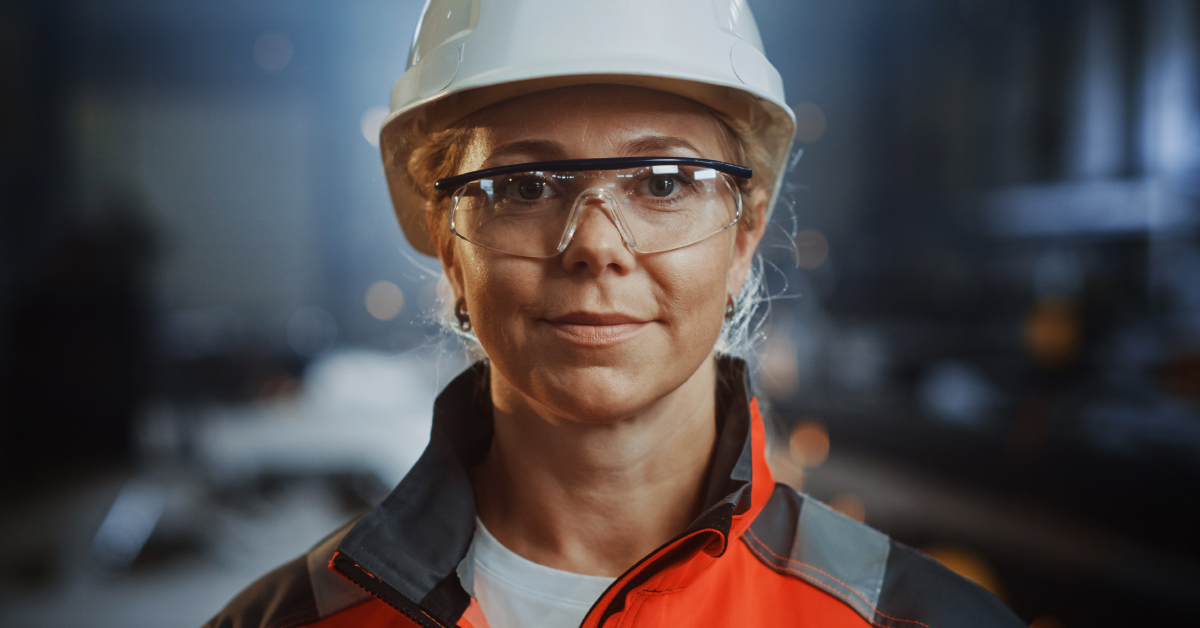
x=593 y=121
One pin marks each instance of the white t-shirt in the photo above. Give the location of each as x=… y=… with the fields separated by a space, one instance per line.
x=515 y=592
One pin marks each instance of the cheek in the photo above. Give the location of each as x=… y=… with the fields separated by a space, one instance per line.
x=497 y=291
x=694 y=288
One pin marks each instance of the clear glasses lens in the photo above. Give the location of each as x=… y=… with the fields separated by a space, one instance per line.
x=655 y=208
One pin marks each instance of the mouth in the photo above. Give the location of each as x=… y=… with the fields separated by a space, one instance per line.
x=596 y=329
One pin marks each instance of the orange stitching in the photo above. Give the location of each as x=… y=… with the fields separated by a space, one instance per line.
x=792 y=560
x=856 y=592
x=373 y=577
x=830 y=591
x=438 y=623
x=830 y=576
x=868 y=602
x=628 y=616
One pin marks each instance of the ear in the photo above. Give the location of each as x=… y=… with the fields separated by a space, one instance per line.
x=745 y=243
x=454 y=277
x=450 y=265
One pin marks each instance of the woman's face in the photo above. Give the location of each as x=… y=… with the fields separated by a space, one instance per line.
x=598 y=332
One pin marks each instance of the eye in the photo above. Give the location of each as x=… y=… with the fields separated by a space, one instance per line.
x=530 y=189
x=662 y=185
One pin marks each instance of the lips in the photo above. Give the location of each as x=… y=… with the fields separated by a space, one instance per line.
x=596 y=329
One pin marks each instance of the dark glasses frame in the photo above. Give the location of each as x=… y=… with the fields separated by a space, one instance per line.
x=449 y=184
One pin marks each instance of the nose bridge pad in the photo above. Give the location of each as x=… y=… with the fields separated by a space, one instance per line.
x=609 y=206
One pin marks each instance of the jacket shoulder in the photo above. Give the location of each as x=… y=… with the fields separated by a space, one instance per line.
x=298 y=593
x=918 y=587
x=887 y=583
x=281 y=599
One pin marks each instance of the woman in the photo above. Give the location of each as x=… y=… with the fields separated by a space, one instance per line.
x=595 y=195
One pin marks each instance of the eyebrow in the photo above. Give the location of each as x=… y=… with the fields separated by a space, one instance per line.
x=658 y=143
x=538 y=149
x=547 y=150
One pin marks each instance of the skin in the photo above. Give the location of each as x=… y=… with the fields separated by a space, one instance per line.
x=604 y=432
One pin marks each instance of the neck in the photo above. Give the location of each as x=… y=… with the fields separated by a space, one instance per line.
x=595 y=498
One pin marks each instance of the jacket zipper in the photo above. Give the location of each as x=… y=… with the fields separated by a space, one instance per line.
x=347 y=567
x=629 y=573
x=352 y=571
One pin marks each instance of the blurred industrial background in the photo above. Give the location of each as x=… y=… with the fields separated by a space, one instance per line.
x=215 y=345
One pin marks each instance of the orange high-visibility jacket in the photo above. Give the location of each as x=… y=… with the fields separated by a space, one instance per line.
x=761 y=554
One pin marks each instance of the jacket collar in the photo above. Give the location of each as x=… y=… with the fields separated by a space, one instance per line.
x=406 y=550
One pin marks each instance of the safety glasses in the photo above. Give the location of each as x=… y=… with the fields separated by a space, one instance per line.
x=657 y=203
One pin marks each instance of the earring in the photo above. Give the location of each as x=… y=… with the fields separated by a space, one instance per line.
x=730 y=308
x=460 y=312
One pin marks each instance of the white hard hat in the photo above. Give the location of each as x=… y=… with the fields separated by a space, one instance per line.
x=468 y=54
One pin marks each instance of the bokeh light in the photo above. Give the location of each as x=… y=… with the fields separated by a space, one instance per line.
x=809 y=444
x=370 y=122
x=850 y=505
x=1046 y=621
x=969 y=564
x=1053 y=332
x=780 y=368
x=810 y=122
x=812 y=248
x=384 y=300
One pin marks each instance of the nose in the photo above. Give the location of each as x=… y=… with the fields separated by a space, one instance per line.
x=597 y=244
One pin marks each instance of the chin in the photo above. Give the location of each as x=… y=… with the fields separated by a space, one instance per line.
x=597 y=393
x=609 y=393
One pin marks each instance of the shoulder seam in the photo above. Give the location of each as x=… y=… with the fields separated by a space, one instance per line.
x=798 y=536
x=971 y=599
x=807 y=575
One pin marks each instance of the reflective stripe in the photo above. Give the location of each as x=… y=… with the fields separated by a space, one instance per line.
x=801 y=537
x=846 y=551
